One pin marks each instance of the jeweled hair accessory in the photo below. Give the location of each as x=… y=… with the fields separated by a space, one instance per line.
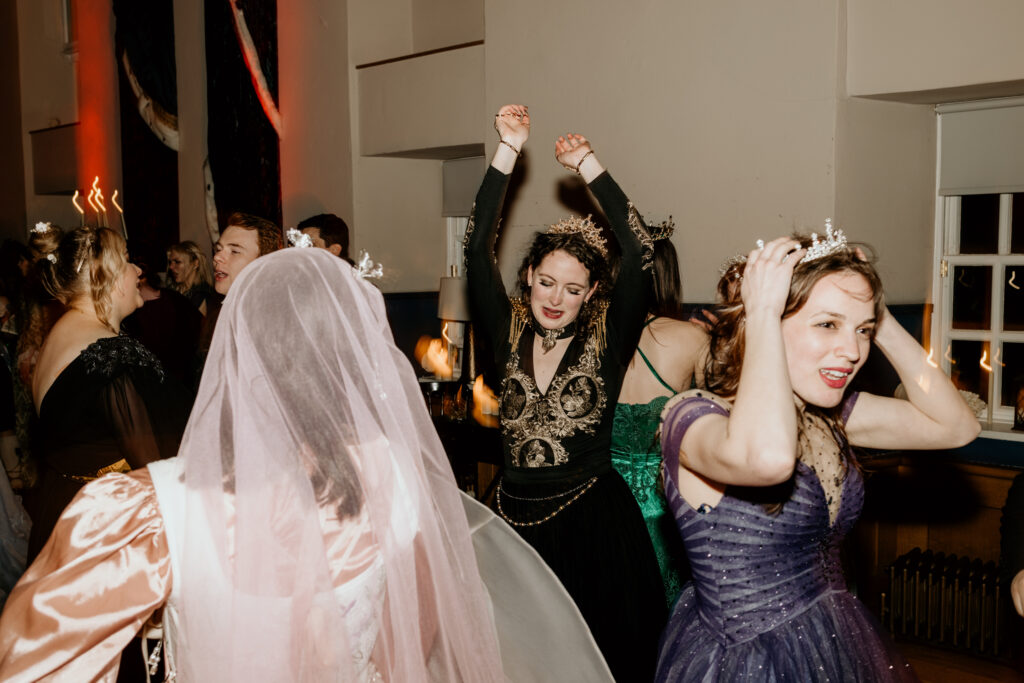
x=42 y=227
x=51 y=257
x=367 y=269
x=590 y=233
x=834 y=241
x=730 y=264
x=663 y=230
x=299 y=239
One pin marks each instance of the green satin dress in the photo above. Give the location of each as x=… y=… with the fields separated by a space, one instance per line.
x=636 y=455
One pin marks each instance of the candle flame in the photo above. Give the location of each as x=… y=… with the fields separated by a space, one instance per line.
x=1013 y=276
x=113 y=200
x=95 y=183
x=99 y=200
x=984 y=357
x=485 y=403
x=930 y=358
x=92 y=194
x=431 y=355
x=74 y=200
x=947 y=356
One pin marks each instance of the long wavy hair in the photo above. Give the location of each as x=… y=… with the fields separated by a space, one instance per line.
x=727 y=345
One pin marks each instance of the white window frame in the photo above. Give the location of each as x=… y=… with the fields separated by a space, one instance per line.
x=456 y=233
x=998 y=421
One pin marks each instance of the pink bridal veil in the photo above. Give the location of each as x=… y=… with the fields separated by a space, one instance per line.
x=337 y=547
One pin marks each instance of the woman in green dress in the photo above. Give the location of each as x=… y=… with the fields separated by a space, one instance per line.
x=668 y=359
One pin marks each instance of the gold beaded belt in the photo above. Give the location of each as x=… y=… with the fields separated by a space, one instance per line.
x=119 y=466
x=578 y=491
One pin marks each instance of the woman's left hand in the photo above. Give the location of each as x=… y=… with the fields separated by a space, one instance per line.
x=570 y=150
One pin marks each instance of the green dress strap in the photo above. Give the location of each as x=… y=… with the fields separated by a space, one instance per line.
x=651 y=367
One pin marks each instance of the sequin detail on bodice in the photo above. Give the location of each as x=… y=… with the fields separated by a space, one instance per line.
x=752 y=570
x=635 y=450
x=534 y=424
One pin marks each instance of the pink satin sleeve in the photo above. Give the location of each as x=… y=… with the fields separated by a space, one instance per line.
x=102 y=573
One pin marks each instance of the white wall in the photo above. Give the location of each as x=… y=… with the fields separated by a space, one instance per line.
x=721 y=114
x=926 y=45
x=316 y=147
x=48 y=97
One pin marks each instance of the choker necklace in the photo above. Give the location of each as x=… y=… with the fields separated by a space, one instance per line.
x=549 y=337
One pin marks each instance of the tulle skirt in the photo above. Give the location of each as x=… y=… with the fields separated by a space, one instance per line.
x=835 y=639
x=597 y=544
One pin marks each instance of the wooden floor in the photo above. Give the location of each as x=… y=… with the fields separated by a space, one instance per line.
x=940 y=666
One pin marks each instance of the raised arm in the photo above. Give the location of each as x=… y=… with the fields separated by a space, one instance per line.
x=934 y=416
x=487 y=296
x=756 y=445
x=632 y=289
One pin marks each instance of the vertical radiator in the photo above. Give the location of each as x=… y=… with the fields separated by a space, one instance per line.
x=948 y=601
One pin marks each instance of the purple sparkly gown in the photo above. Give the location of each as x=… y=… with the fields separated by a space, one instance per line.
x=768 y=601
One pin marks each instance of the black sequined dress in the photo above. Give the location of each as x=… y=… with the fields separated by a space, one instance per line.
x=110 y=410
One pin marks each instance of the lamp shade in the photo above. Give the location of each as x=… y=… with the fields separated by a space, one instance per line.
x=452 y=302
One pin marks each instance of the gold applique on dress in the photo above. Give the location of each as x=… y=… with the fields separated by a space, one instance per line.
x=535 y=424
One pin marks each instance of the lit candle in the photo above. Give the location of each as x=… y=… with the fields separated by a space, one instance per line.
x=101 y=220
x=92 y=203
x=103 y=207
x=81 y=211
x=124 y=226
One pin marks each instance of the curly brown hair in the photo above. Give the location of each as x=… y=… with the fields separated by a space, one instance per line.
x=268 y=235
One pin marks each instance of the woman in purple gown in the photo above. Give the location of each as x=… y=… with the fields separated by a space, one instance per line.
x=761 y=479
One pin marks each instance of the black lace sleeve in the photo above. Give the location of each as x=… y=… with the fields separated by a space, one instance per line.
x=488 y=300
x=630 y=296
x=147 y=411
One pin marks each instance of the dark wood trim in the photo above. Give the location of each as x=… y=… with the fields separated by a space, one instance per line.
x=419 y=54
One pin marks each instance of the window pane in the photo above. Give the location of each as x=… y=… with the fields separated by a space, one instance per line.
x=965 y=366
x=1017 y=225
x=1013 y=297
x=1013 y=372
x=972 y=297
x=979 y=224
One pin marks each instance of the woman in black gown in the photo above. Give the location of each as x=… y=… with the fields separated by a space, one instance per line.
x=103 y=400
x=561 y=348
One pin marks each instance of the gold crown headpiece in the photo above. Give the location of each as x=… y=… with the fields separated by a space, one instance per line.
x=661 y=231
x=590 y=233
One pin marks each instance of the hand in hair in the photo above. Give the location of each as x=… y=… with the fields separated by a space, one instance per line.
x=574 y=152
x=767 y=277
x=513 y=124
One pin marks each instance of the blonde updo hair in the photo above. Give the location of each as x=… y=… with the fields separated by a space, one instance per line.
x=87 y=263
x=42 y=243
x=201 y=272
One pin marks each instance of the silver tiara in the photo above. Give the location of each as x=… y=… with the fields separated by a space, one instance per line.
x=299 y=239
x=835 y=240
x=41 y=227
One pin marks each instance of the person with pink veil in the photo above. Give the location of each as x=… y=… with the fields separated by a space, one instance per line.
x=310 y=528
